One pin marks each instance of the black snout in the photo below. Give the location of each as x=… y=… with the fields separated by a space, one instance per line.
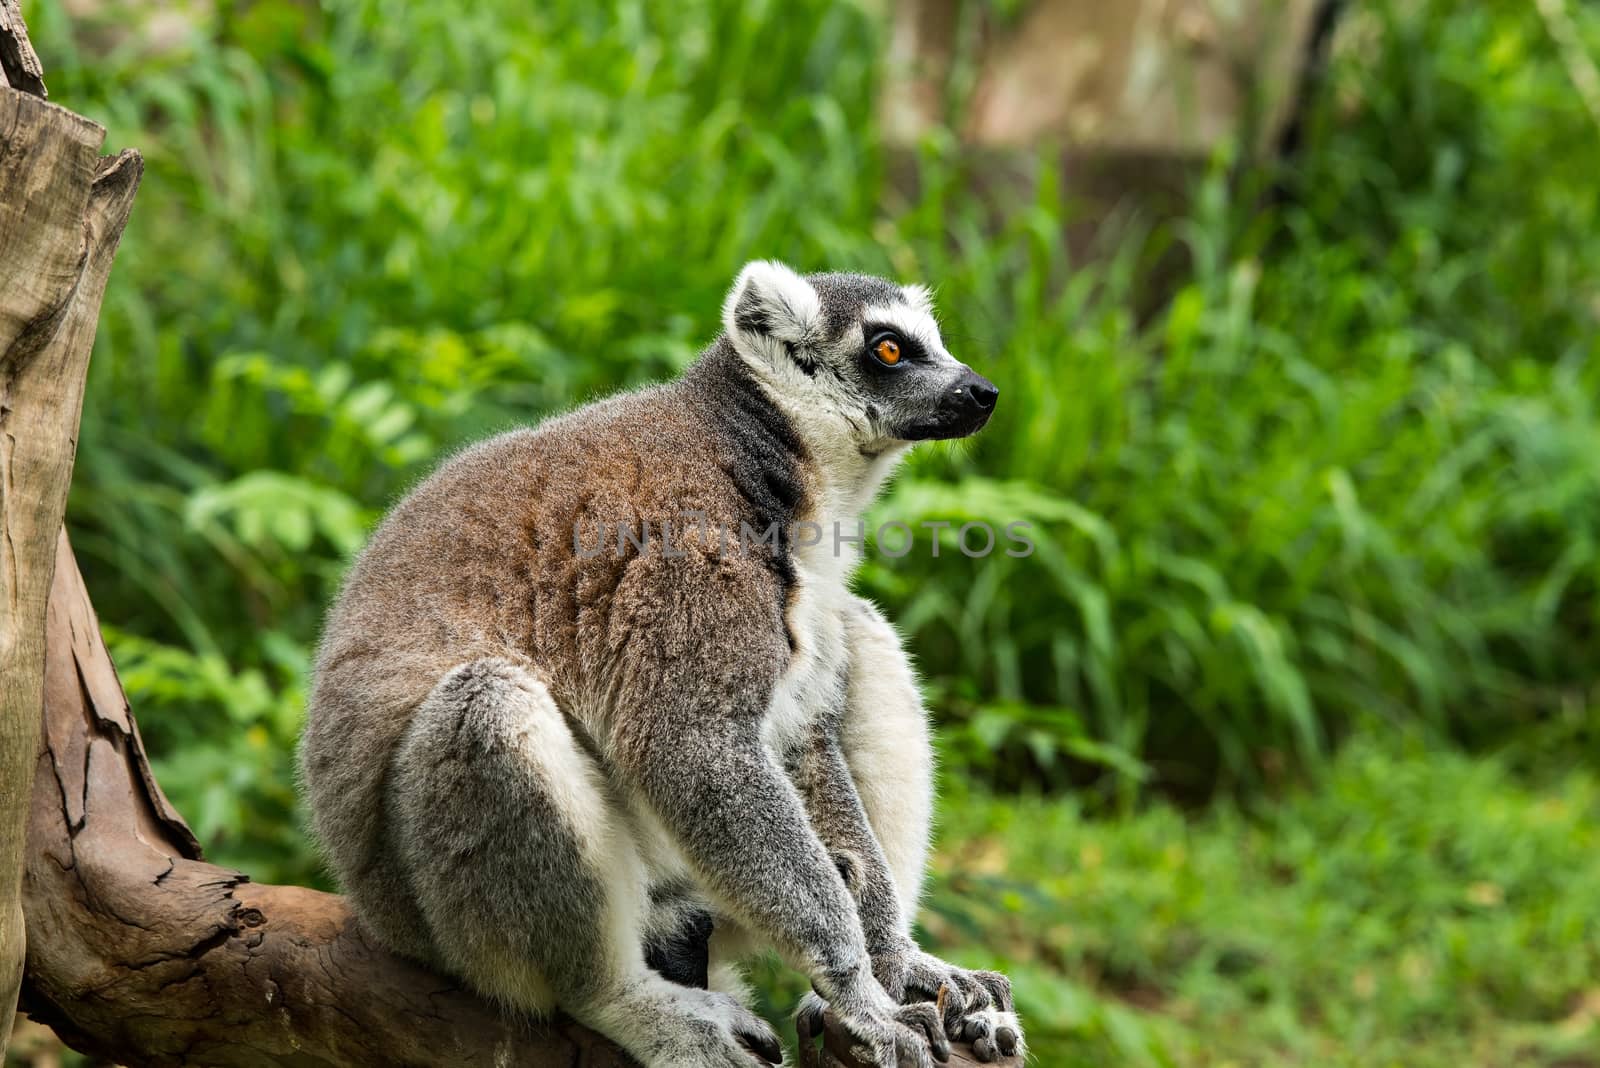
x=969 y=403
x=962 y=408
x=984 y=392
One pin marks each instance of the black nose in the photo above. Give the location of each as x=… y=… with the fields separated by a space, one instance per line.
x=982 y=391
x=985 y=393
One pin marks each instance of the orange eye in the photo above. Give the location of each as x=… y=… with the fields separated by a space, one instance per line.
x=888 y=351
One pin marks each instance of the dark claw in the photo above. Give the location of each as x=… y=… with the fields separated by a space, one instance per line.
x=922 y=1018
x=1007 y=1038
x=808 y=1023
x=955 y=1006
x=977 y=1027
x=998 y=988
x=984 y=1048
x=809 y=1018
x=763 y=1044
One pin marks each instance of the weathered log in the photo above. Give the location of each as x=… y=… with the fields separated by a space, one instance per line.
x=62 y=210
x=19 y=66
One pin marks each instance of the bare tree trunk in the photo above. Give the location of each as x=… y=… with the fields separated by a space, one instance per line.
x=19 y=67
x=62 y=210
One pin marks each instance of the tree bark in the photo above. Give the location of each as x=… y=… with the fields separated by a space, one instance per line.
x=62 y=210
x=19 y=66
x=1117 y=78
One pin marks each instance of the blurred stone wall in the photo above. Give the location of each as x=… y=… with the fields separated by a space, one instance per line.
x=151 y=26
x=1144 y=77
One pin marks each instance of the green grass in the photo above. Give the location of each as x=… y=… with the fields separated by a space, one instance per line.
x=1418 y=908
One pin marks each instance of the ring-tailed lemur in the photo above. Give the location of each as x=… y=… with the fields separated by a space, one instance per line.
x=588 y=778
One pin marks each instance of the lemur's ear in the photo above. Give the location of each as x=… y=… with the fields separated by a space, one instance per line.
x=771 y=310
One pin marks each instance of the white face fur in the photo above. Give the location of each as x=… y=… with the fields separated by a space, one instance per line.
x=857 y=363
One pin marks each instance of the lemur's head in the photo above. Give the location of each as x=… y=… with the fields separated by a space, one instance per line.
x=857 y=360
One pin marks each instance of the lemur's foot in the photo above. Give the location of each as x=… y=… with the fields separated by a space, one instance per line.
x=679 y=1027
x=975 y=1006
x=755 y=1041
x=904 y=1035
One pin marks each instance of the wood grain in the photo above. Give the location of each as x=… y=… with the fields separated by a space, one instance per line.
x=19 y=66
x=62 y=210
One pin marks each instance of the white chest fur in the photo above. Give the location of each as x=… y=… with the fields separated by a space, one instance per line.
x=814 y=678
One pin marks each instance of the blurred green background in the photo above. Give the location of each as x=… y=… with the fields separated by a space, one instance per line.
x=1279 y=750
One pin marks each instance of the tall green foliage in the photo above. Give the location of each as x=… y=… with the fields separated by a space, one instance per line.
x=1346 y=470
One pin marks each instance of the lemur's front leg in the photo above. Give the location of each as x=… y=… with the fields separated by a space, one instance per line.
x=977 y=1005
x=866 y=777
x=690 y=747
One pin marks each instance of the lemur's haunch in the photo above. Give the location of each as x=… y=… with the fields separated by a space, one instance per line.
x=593 y=775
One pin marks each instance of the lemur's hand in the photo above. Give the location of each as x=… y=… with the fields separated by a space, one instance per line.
x=885 y=1034
x=974 y=1006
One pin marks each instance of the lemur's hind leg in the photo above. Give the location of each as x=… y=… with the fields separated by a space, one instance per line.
x=678 y=935
x=529 y=876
